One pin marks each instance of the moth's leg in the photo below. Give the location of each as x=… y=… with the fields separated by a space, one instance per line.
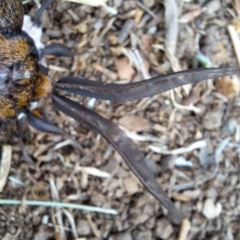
x=36 y=18
x=56 y=49
x=25 y=154
x=38 y=120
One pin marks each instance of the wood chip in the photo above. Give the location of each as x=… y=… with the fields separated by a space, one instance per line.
x=184 y=230
x=5 y=164
x=228 y=86
x=131 y=184
x=124 y=69
x=134 y=123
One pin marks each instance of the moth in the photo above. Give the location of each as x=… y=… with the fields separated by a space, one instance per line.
x=24 y=82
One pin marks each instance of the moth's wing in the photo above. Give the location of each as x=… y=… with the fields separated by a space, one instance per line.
x=11 y=16
x=139 y=90
x=125 y=147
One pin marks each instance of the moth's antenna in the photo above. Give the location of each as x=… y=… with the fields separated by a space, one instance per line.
x=42 y=124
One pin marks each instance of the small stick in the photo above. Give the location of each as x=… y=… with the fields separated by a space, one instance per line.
x=235 y=41
x=5 y=164
x=184 y=229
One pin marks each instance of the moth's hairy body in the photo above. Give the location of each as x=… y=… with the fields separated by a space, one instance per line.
x=21 y=81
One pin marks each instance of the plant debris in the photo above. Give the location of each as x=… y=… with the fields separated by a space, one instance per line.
x=127 y=41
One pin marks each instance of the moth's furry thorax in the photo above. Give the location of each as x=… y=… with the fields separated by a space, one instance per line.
x=21 y=81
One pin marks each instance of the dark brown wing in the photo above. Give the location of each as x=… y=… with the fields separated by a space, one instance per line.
x=139 y=90
x=11 y=16
x=125 y=147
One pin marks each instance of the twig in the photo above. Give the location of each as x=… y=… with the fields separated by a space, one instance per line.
x=5 y=164
x=60 y=205
x=184 y=229
x=191 y=147
x=147 y=10
x=235 y=41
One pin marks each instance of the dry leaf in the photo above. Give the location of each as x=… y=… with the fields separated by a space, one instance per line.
x=124 y=69
x=222 y=54
x=105 y=71
x=163 y=229
x=228 y=86
x=134 y=123
x=193 y=194
x=180 y=197
x=131 y=184
x=190 y=16
x=147 y=41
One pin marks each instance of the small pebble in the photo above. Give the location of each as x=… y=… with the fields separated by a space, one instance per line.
x=210 y=209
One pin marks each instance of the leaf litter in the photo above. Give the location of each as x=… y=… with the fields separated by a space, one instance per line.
x=150 y=45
